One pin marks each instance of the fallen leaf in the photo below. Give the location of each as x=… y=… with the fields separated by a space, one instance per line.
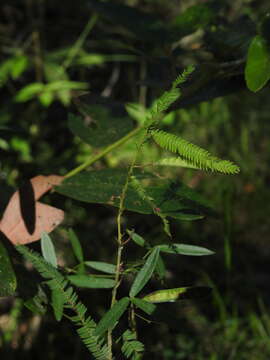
x=25 y=218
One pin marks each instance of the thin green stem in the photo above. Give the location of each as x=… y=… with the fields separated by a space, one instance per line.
x=103 y=152
x=79 y=42
x=120 y=237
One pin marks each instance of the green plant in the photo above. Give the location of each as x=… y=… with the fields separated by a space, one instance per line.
x=143 y=187
x=142 y=192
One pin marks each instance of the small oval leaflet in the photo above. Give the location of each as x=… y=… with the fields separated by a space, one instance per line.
x=101 y=266
x=185 y=249
x=86 y=281
x=182 y=293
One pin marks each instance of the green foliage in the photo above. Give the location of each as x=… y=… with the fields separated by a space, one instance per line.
x=194 y=154
x=76 y=245
x=110 y=319
x=167 y=98
x=154 y=48
x=91 y=282
x=193 y=18
x=145 y=273
x=85 y=325
x=94 y=128
x=171 y=295
x=184 y=249
x=257 y=70
x=13 y=67
x=47 y=249
x=101 y=266
x=132 y=348
x=144 y=305
x=8 y=282
x=58 y=303
x=105 y=186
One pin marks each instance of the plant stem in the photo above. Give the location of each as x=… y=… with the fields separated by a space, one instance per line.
x=103 y=152
x=79 y=42
x=120 y=237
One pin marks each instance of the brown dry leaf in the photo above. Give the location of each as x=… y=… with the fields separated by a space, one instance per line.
x=25 y=218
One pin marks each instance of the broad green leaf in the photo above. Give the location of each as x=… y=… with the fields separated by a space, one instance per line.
x=136 y=238
x=54 y=71
x=144 y=275
x=47 y=249
x=144 y=305
x=184 y=249
x=64 y=96
x=59 y=85
x=93 y=282
x=76 y=245
x=257 y=70
x=110 y=319
x=19 y=65
x=29 y=92
x=8 y=282
x=105 y=187
x=99 y=59
x=46 y=98
x=99 y=127
x=58 y=301
x=101 y=266
x=182 y=293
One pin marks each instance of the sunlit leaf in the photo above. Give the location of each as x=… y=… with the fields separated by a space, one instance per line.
x=29 y=92
x=65 y=85
x=46 y=98
x=47 y=249
x=182 y=293
x=19 y=65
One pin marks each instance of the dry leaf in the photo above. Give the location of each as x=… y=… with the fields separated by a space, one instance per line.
x=25 y=218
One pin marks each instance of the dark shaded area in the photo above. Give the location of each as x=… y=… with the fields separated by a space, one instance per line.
x=27 y=206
